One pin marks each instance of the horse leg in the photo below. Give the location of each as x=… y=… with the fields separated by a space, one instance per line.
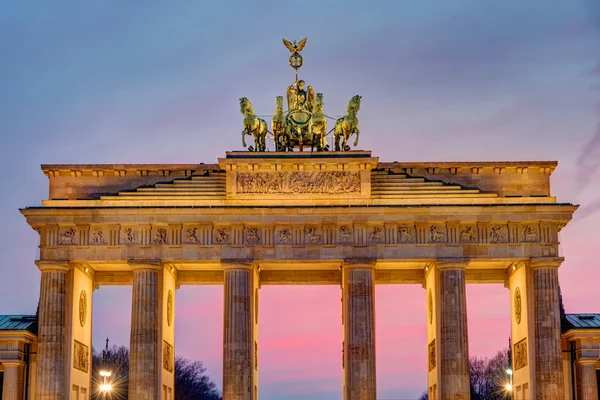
x=345 y=142
x=243 y=138
x=357 y=135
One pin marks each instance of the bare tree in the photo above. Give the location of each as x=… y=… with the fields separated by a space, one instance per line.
x=488 y=377
x=191 y=381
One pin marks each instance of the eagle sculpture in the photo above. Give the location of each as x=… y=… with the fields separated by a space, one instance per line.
x=293 y=47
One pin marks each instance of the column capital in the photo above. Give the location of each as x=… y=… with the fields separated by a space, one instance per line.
x=53 y=265
x=12 y=363
x=545 y=262
x=358 y=264
x=587 y=360
x=458 y=263
x=145 y=265
x=239 y=264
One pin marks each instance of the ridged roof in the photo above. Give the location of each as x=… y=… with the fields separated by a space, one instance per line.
x=18 y=323
x=581 y=321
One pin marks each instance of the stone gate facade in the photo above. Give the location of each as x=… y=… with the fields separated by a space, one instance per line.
x=339 y=218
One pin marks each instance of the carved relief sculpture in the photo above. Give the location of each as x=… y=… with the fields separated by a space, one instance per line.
x=520 y=354
x=436 y=235
x=376 y=235
x=345 y=233
x=518 y=305
x=252 y=236
x=432 y=362
x=80 y=356
x=284 y=236
x=329 y=182
x=191 y=235
x=430 y=307
x=404 y=235
x=311 y=235
x=170 y=308
x=130 y=237
x=168 y=362
x=160 y=236
x=221 y=237
x=82 y=308
x=496 y=234
x=68 y=237
x=530 y=234
x=98 y=238
x=468 y=235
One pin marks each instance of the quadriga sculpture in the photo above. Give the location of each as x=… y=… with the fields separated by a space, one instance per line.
x=278 y=125
x=253 y=126
x=318 y=125
x=347 y=125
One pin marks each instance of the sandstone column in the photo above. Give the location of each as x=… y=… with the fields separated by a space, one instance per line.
x=152 y=351
x=448 y=343
x=587 y=384
x=358 y=316
x=52 y=365
x=548 y=355
x=454 y=342
x=240 y=341
x=12 y=388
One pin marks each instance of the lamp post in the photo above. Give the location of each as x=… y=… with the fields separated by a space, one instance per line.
x=509 y=385
x=105 y=387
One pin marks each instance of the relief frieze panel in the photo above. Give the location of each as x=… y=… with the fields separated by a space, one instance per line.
x=437 y=234
x=529 y=234
x=312 y=235
x=406 y=234
x=345 y=234
x=520 y=354
x=252 y=235
x=222 y=235
x=159 y=236
x=328 y=233
x=190 y=235
x=376 y=235
x=99 y=236
x=498 y=234
x=67 y=236
x=468 y=234
x=130 y=235
x=290 y=182
x=81 y=356
x=283 y=235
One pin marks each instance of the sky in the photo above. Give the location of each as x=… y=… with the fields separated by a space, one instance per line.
x=160 y=82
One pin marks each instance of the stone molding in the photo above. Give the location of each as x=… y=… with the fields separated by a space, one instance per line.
x=238 y=265
x=155 y=265
x=451 y=265
x=365 y=265
x=59 y=266
x=550 y=262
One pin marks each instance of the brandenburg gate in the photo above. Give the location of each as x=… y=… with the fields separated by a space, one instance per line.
x=338 y=217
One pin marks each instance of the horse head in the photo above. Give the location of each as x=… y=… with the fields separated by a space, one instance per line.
x=279 y=104
x=245 y=106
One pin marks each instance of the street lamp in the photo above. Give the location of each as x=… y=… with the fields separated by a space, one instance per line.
x=509 y=385
x=105 y=387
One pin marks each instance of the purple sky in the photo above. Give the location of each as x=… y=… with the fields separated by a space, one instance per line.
x=108 y=81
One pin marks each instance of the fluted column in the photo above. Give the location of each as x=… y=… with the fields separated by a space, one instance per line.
x=453 y=337
x=548 y=354
x=144 y=361
x=12 y=388
x=240 y=365
x=51 y=363
x=587 y=383
x=358 y=291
